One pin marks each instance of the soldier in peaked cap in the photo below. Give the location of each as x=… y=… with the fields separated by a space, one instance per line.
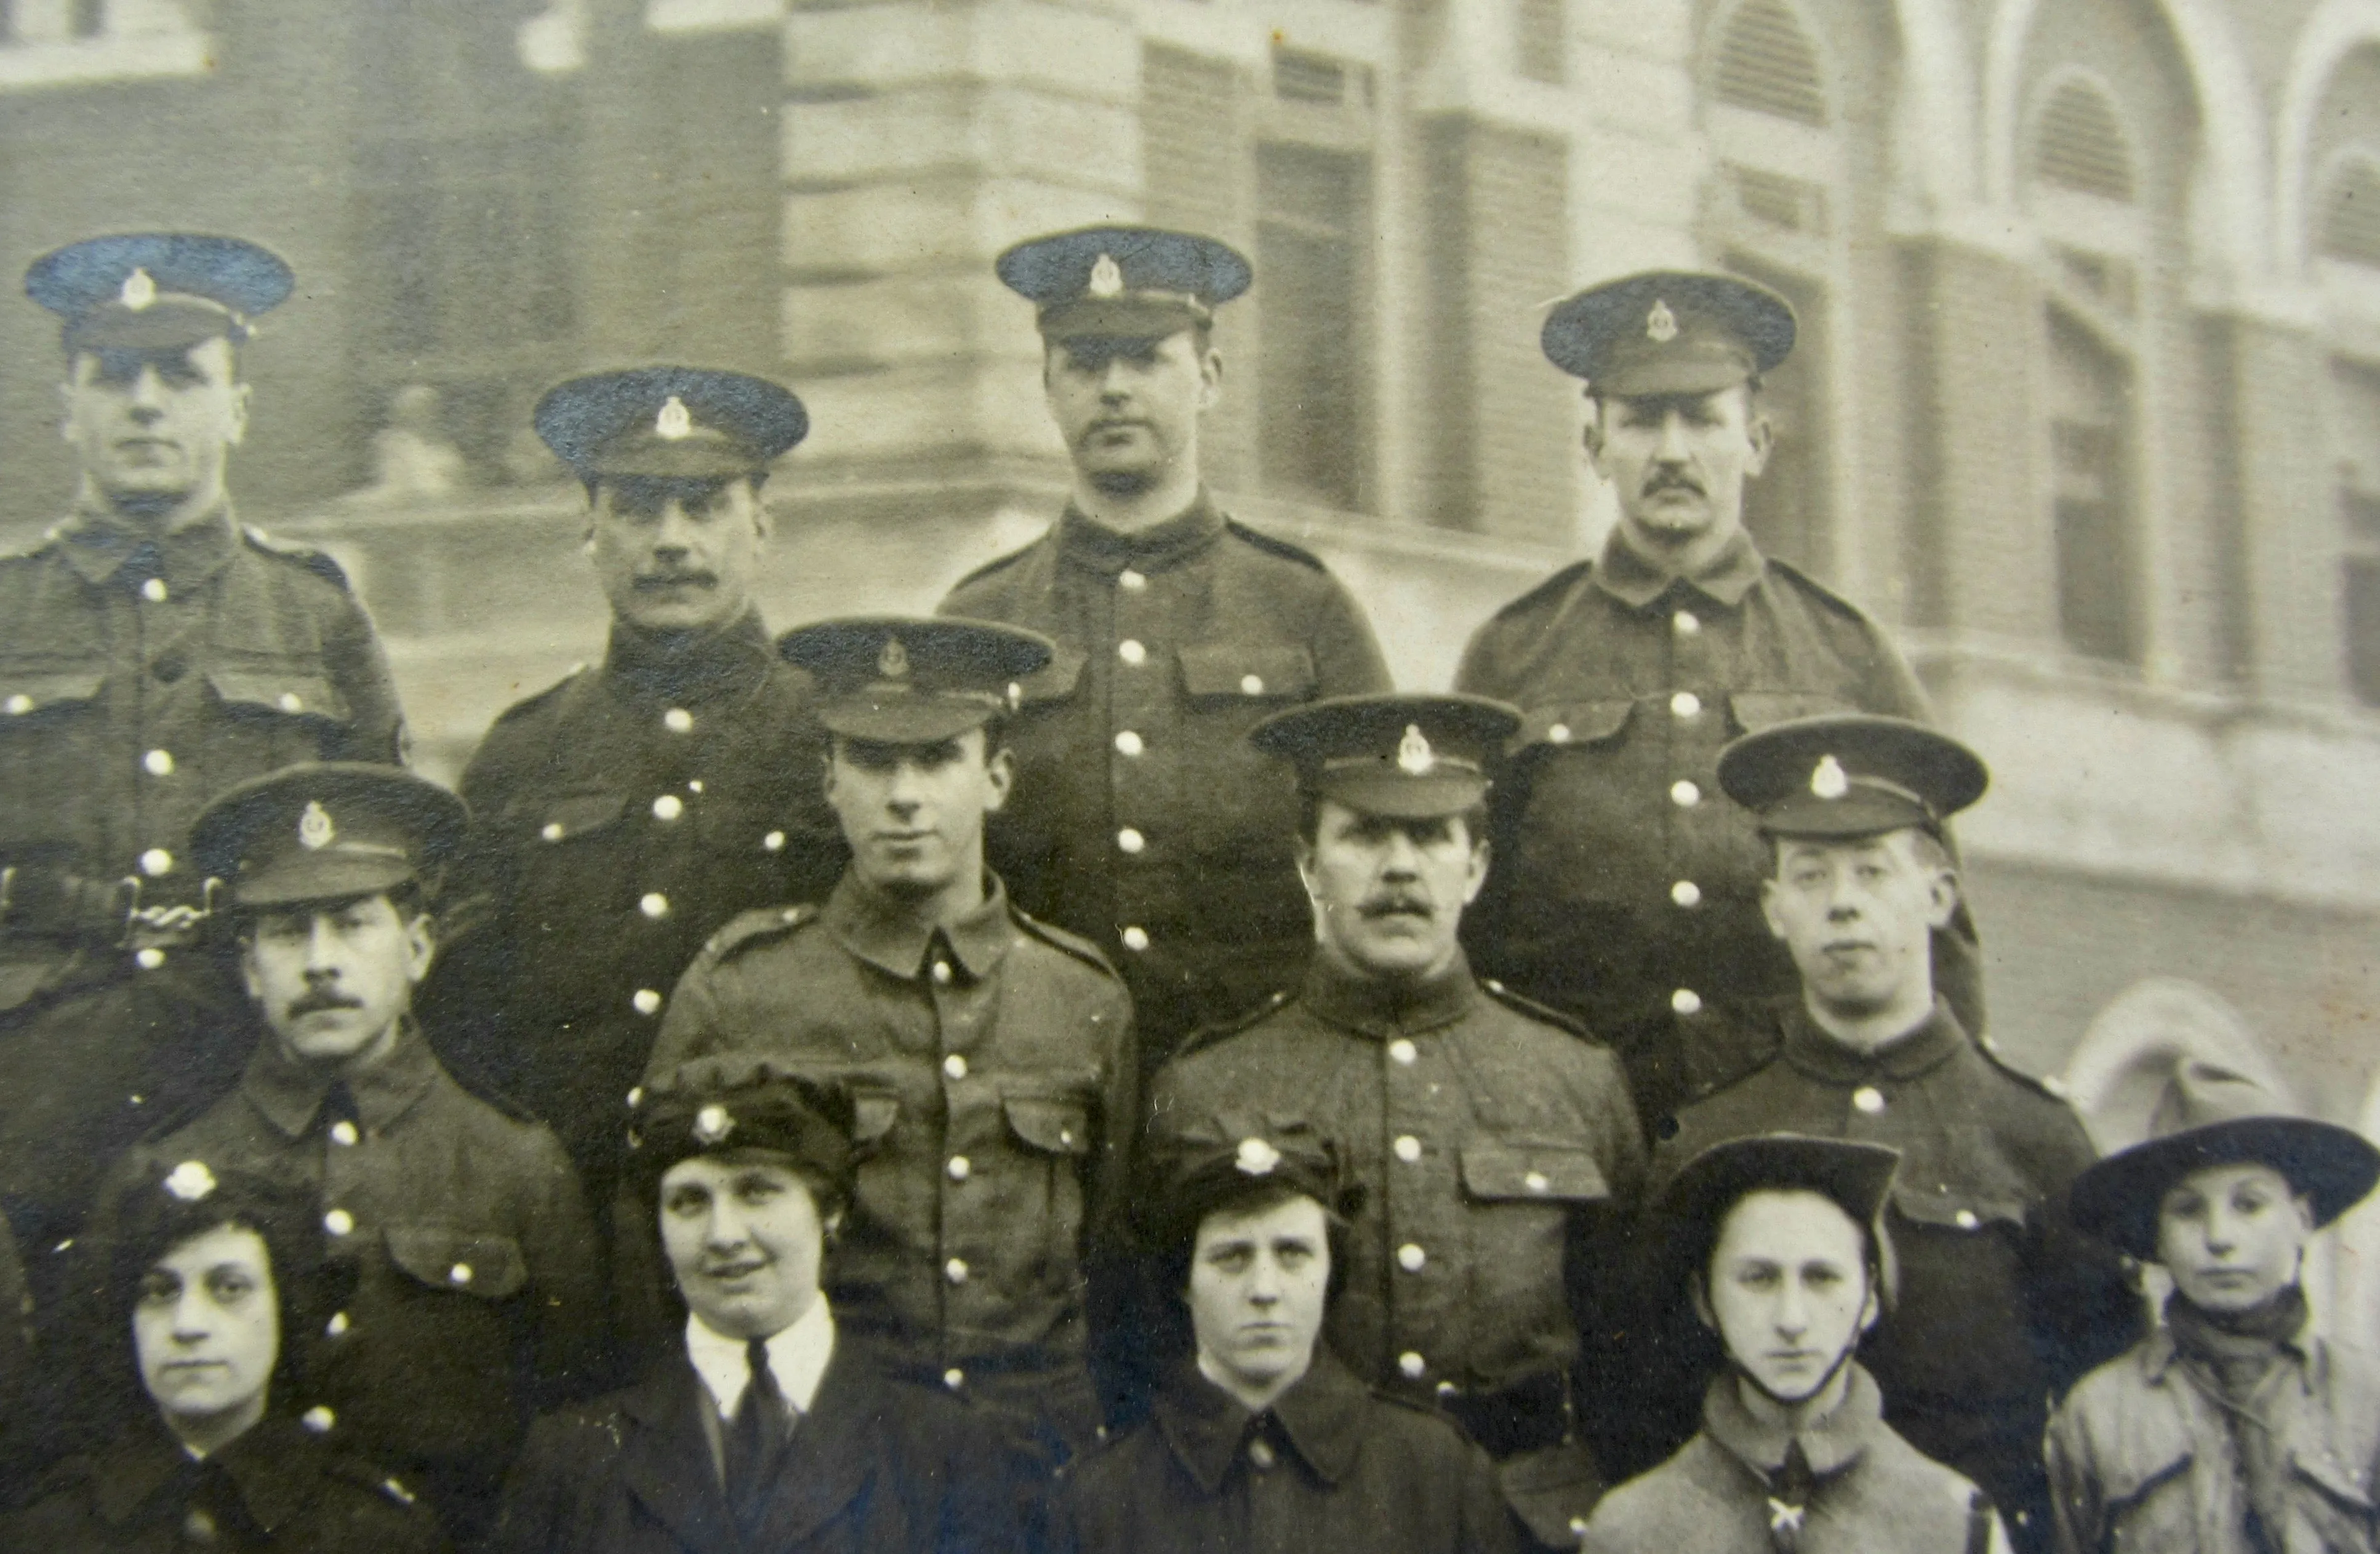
x=1495 y=1146
x=1779 y=1246
x=762 y=1426
x=627 y=813
x=457 y=1223
x=1627 y=894
x=153 y=653
x=1142 y=820
x=2234 y=1426
x=989 y=1056
x=1261 y=1437
x=2002 y=1305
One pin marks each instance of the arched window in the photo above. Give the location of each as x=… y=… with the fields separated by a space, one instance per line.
x=2079 y=143
x=1766 y=63
x=2350 y=214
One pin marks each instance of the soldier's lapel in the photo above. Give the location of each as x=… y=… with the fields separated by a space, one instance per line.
x=667 y=1462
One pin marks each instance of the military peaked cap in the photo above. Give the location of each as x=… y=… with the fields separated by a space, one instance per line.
x=1410 y=756
x=324 y=831
x=1131 y=282
x=1668 y=332
x=150 y=291
x=670 y=423
x=913 y=679
x=1850 y=774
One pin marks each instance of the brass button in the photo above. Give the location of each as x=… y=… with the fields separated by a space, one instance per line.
x=156 y=861
x=955 y=1066
x=1135 y=938
x=653 y=905
x=677 y=720
x=1685 y=1000
x=668 y=807
x=1131 y=581
x=1685 y=893
x=1131 y=651
x=1404 y=1052
x=1686 y=704
x=1129 y=742
x=155 y=591
x=1408 y=1149
x=158 y=763
x=1868 y=1099
x=1686 y=795
x=647 y=1001
x=1130 y=840
x=773 y=842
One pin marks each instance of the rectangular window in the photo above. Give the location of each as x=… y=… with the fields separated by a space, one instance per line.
x=2090 y=434
x=1785 y=507
x=2355 y=405
x=1539 y=48
x=1313 y=214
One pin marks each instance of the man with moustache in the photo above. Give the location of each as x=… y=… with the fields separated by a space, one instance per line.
x=457 y=1228
x=989 y=1056
x=1497 y=1150
x=1626 y=893
x=2003 y=1304
x=1143 y=821
x=153 y=653
x=624 y=815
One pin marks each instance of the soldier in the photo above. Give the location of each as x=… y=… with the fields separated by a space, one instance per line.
x=1262 y=1439
x=2002 y=1306
x=1495 y=1146
x=989 y=1057
x=457 y=1226
x=2235 y=1424
x=1143 y=821
x=1627 y=894
x=765 y=1427
x=153 y=653
x=1779 y=1244
x=621 y=816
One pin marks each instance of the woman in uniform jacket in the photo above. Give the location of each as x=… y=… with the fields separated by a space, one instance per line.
x=1262 y=1440
x=764 y=1428
x=1779 y=1242
x=209 y=1448
x=2232 y=1426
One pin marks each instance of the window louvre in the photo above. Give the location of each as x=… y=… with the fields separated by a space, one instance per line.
x=1298 y=77
x=1766 y=63
x=2080 y=145
x=2350 y=216
x=1538 y=46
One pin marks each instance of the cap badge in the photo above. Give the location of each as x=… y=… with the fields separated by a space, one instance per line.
x=1829 y=780
x=712 y=1124
x=1660 y=324
x=1107 y=277
x=674 y=422
x=315 y=830
x=894 y=661
x=139 y=290
x=190 y=1181
x=1414 y=757
x=1257 y=1157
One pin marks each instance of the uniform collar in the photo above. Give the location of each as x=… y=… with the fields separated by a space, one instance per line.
x=1087 y=542
x=1321 y=1418
x=1636 y=580
x=797 y=1358
x=1937 y=1038
x=1832 y=1442
x=2305 y=1353
x=871 y=927
x=99 y=547
x=148 y=1474
x=1380 y=1008
x=689 y=667
x=290 y=1093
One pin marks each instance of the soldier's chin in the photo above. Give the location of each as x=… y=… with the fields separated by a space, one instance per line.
x=1121 y=482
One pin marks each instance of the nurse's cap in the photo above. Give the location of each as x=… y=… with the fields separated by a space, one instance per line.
x=913 y=679
x=326 y=830
x=1406 y=757
x=686 y=423
x=1668 y=332
x=157 y=291
x=1123 y=282
x=1850 y=774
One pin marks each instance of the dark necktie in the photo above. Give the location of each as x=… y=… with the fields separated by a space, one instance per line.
x=339 y=1106
x=755 y=1439
x=1789 y=1500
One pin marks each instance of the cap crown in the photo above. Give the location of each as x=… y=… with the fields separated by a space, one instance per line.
x=913 y=679
x=1124 y=281
x=1668 y=332
x=1414 y=756
x=670 y=423
x=1850 y=774
x=157 y=290
x=326 y=830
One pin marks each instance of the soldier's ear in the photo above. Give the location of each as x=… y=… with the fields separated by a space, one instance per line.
x=1210 y=378
x=1000 y=768
x=1758 y=432
x=1768 y=908
x=241 y=393
x=1474 y=877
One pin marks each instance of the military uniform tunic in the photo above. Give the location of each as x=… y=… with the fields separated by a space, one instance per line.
x=1627 y=886
x=2002 y=1305
x=619 y=819
x=1141 y=818
x=1496 y=1151
x=139 y=678
x=991 y=1067
x=476 y=1289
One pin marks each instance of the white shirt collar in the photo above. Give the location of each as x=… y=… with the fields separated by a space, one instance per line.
x=797 y=1358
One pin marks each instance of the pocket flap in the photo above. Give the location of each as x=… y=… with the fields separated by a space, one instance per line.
x=1055 y=681
x=1758 y=709
x=294 y=693
x=491 y=1266
x=1053 y=1126
x=1494 y=1170
x=575 y=813
x=1959 y=1209
x=2339 y=1477
x=1573 y=722
x=1236 y=669
x=30 y=690
x=873 y=1112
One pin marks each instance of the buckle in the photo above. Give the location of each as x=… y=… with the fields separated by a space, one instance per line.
x=165 y=928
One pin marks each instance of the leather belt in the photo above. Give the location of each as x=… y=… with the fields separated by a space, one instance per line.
x=49 y=903
x=1527 y=1416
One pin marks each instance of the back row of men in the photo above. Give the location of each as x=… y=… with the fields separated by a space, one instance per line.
x=1044 y=852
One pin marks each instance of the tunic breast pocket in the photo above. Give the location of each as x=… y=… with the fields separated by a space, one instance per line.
x=567 y=845
x=278 y=714
x=439 y=1355
x=46 y=746
x=1521 y=1194
x=1051 y=1133
x=1233 y=803
x=1753 y=711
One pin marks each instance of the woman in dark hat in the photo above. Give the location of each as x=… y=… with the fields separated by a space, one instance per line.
x=1779 y=1241
x=1261 y=1438
x=209 y=1446
x=2233 y=1427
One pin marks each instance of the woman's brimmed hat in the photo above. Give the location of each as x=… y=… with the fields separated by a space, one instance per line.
x=1855 y=1177
x=2209 y=1115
